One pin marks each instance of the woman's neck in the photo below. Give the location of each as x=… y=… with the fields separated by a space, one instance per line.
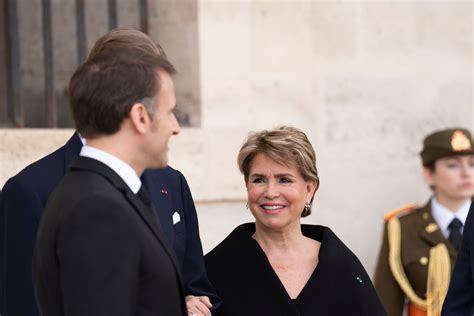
x=289 y=239
x=451 y=204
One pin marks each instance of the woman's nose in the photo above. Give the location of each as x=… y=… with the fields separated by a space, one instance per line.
x=271 y=191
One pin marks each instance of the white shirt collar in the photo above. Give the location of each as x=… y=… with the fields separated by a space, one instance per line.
x=443 y=216
x=83 y=140
x=128 y=175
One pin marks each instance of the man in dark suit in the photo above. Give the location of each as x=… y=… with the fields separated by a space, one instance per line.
x=460 y=298
x=25 y=196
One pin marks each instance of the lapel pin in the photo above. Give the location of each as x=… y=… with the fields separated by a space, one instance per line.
x=164 y=191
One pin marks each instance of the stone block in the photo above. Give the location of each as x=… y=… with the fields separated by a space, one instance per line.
x=278 y=45
x=334 y=30
x=227 y=103
x=225 y=45
x=401 y=27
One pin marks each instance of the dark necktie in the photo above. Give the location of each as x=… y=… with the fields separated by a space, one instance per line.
x=455 y=233
x=145 y=197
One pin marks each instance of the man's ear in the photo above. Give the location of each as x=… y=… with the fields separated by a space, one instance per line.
x=139 y=117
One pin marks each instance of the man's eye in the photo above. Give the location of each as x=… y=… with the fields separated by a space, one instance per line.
x=257 y=180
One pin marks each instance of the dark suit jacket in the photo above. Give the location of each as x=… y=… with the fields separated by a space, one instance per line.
x=100 y=251
x=24 y=197
x=460 y=298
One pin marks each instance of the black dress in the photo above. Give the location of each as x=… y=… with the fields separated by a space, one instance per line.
x=247 y=284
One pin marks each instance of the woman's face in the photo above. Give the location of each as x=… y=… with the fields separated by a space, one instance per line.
x=277 y=193
x=452 y=177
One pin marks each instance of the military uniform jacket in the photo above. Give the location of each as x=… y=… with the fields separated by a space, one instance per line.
x=419 y=233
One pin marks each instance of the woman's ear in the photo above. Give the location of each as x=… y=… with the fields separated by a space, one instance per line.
x=139 y=117
x=428 y=175
x=311 y=187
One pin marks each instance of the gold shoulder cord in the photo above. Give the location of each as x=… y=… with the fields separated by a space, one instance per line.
x=439 y=274
x=439 y=271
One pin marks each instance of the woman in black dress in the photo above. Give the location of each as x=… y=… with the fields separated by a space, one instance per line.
x=276 y=266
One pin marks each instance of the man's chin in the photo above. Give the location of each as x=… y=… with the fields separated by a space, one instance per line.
x=160 y=164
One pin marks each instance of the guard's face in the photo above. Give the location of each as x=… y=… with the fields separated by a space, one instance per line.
x=164 y=123
x=277 y=193
x=453 y=177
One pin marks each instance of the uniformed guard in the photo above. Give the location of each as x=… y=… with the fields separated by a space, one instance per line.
x=420 y=244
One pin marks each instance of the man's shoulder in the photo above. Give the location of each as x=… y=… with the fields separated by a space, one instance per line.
x=168 y=171
x=41 y=175
x=48 y=170
x=87 y=185
x=165 y=177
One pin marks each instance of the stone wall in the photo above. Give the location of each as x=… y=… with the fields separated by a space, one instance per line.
x=366 y=80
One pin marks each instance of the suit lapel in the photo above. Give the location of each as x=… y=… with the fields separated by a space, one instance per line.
x=143 y=211
x=162 y=202
x=151 y=220
x=430 y=232
x=72 y=148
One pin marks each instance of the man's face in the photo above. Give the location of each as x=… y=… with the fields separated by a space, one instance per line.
x=164 y=123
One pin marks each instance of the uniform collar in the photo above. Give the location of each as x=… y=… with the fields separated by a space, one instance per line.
x=443 y=216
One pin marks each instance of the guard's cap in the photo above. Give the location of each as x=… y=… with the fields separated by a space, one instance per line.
x=445 y=143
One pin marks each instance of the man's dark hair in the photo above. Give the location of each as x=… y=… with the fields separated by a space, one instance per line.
x=104 y=88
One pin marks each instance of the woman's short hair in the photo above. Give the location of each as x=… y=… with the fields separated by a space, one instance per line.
x=286 y=145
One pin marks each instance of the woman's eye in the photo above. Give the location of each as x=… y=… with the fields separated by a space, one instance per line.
x=257 y=180
x=471 y=162
x=285 y=180
x=452 y=165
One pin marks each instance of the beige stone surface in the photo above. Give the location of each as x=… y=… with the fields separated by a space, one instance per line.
x=366 y=80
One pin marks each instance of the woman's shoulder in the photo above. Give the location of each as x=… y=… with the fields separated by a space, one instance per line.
x=332 y=247
x=239 y=239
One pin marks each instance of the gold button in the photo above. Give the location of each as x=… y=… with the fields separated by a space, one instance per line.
x=423 y=261
x=431 y=228
x=425 y=216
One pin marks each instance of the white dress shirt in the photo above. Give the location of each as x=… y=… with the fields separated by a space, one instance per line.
x=443 y=216
x=128 y=175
